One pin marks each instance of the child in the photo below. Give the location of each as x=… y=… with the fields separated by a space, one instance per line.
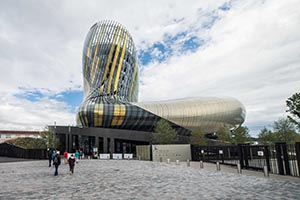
x=71 y=164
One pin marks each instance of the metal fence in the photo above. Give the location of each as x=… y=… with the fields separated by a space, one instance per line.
x=280 y=158
x=285 y=159
x=9 y=150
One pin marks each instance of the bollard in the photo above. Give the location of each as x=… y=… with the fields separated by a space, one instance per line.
x=160 y=159
x=139 y=157
x=107 y=157
x=239 y=169
x=218 y=166
x=188 y=163
x=168 y=161
x=89 y=157
x=201 y=164
x=177 y=162
x=266 y=171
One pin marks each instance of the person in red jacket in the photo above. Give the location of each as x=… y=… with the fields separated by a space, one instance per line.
x=65 y=157
x=71 y=164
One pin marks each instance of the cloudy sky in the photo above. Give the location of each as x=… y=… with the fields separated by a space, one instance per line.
x=249 y=50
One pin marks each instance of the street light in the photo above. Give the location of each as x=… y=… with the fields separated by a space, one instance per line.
x=54 y=133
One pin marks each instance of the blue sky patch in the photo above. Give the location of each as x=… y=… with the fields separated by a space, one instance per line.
x=192 y=44
x=161 y=51
x=225 y=6
x=157 y=52
x=32 y=96
x=211 y=22
x=71 y=97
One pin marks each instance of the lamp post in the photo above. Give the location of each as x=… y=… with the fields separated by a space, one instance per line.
x=54 y=135
x=68 y=138
x=232 y=135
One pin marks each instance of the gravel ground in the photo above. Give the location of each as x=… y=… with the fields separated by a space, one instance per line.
x=123 y=179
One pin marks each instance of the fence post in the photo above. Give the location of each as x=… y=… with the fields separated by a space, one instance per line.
x=201 y=164
x=218 y=166
x=240 y=155
x=279 y=158
x=286 y=159
x=297 y=147
x=239 y=169
x=207 y=153
x=282 y=155
x=267 y=153
x=266 y=172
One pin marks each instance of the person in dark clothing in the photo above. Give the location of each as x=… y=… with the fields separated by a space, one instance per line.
x=50 y=156
x=71 y=164
x=56 y=163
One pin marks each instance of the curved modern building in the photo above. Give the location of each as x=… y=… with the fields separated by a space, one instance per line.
x=110 y=74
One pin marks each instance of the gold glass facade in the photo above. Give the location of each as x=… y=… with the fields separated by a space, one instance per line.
x=110 y=74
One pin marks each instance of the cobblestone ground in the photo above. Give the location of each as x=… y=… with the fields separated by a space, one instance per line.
x=122 y=179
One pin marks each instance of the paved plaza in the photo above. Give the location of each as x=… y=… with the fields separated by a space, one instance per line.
x=123 y=179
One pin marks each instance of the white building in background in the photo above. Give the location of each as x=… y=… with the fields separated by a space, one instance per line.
x=5 y=135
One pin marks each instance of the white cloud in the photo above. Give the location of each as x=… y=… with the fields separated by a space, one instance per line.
x=253 y=55
x=16 y=114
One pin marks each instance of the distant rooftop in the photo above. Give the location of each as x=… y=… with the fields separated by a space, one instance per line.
x=19 y=132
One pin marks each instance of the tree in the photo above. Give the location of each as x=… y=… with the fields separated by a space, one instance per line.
x=266 y=136
x=223 y=134
x=28 y=143
x=198 y=138
x=285 y=131
x=164 y=133
x=48 y=138
x=240 y=135
x=293 y=104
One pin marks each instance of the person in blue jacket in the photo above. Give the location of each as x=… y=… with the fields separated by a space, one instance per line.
x=56 y=163
x=77 y=154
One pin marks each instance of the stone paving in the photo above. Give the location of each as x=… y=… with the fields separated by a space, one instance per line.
x=123 y=179
x=9 y=159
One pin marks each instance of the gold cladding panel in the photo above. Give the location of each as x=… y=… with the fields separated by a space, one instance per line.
x=207 y=114
x=98 y=114
x=119 y=115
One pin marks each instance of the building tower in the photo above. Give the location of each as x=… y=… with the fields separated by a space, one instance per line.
x=110 y=75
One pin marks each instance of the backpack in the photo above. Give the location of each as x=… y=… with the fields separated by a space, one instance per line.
x=55 y=161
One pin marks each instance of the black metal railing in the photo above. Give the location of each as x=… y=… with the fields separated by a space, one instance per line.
x=280 y=158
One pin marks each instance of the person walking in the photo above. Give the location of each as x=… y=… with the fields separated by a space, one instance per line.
x=65 y=157
x=71 y=164
x=76 y=156
x=49 y=156
x=53 y=154
x=56 y=163
x=80 y=154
